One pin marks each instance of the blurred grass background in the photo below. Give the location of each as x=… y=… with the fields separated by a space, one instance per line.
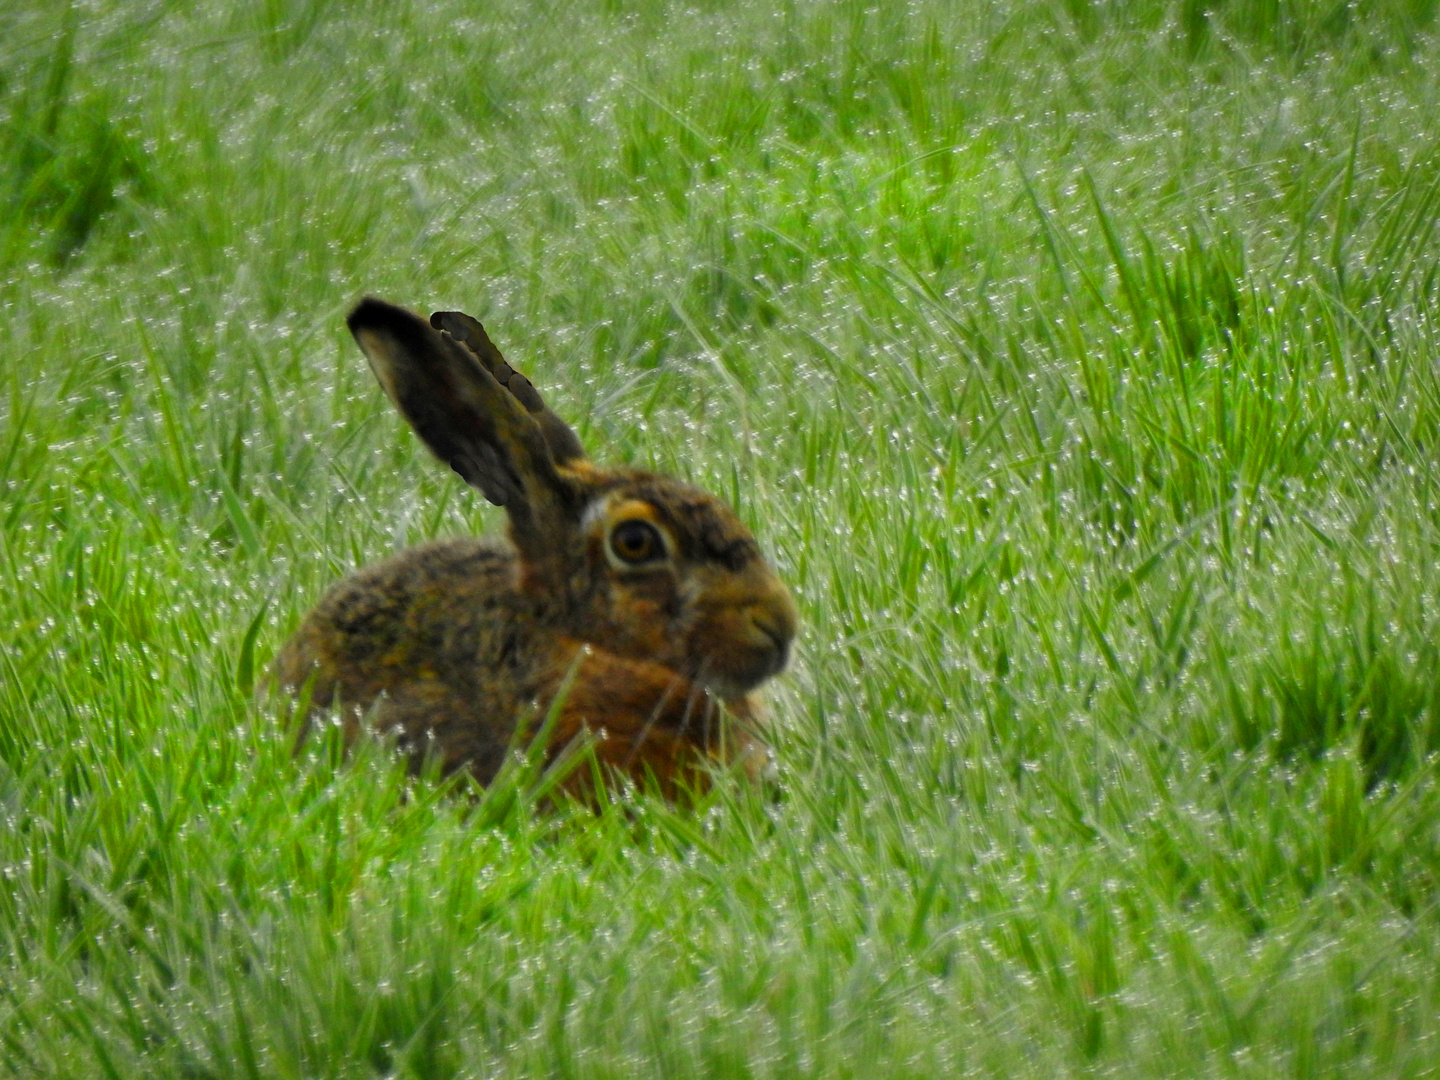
x=1076 y=362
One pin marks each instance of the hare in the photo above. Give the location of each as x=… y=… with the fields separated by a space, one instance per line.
x=639 y=604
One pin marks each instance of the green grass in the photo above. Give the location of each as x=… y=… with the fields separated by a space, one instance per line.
x=1077 y=362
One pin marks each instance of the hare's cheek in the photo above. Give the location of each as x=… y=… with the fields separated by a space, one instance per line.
x=645 y=632
x=644 y=622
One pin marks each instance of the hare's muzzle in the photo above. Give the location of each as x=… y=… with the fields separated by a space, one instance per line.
x=776 y=622
x=743 y=635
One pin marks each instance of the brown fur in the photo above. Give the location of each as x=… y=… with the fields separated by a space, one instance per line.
x=454 y=645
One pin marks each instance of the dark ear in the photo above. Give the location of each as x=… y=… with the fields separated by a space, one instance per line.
x=472 y=422
x=564 y=445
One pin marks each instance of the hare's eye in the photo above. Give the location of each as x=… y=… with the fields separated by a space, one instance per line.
x=636 y=541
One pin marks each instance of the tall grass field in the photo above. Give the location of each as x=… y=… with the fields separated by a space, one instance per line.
x=1076 y=362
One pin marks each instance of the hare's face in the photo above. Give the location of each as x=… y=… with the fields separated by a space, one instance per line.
x=674 y=577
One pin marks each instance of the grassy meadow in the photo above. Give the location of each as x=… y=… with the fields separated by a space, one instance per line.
x=1077 y=363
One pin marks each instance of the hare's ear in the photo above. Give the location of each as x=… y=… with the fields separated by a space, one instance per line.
x=486 y=431
x=564 y=445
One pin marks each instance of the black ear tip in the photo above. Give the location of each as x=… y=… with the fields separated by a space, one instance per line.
x=375 y=315
x=371 y=311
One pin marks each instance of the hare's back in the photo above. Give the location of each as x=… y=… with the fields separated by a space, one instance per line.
x=421 y=613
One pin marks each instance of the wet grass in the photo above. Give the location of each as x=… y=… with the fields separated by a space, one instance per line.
x=1076 y=362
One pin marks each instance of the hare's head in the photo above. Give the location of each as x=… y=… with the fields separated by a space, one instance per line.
x=641 y=565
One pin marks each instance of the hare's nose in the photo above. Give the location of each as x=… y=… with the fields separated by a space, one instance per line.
x=775 y=617
x=779 y=635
